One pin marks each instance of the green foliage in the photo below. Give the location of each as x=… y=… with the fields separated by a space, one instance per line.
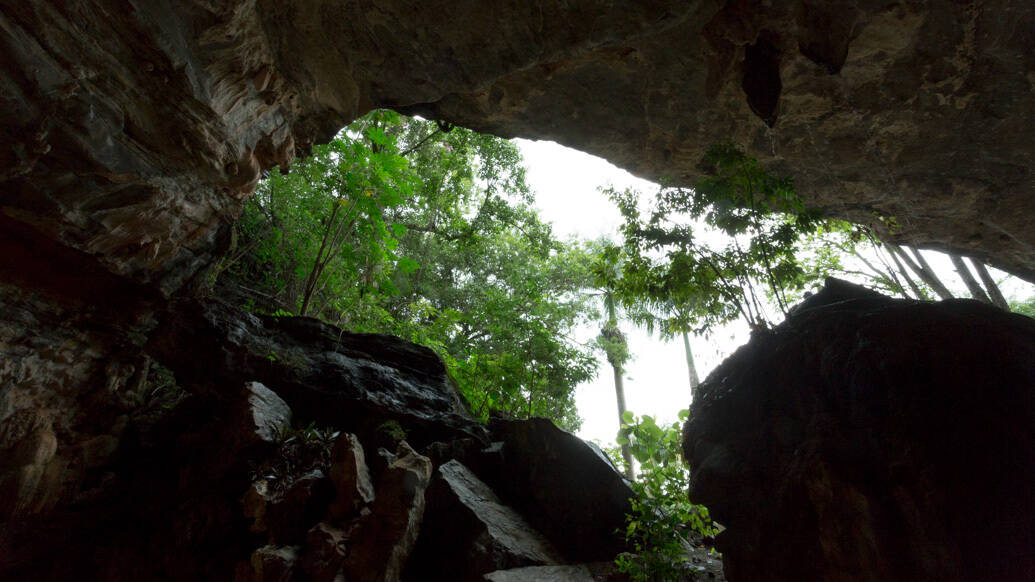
x=704 y=256
x=399 y=227
x=1026 y=307
x=662 y=520
x=301 y=449
x=392 y=431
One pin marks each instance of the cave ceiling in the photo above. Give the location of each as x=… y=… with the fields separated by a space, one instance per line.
x=135 y=130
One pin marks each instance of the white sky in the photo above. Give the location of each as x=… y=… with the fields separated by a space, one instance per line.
x=566 y=183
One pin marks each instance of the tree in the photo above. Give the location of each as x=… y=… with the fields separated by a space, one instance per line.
x=417 y=229
x=713 y=251
x=606 y=272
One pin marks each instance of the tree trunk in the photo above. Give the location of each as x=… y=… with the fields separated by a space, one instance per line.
x=905 y=275
x=690 y=367
x=993 y=290
x=968 y=279
x=620 y=395
x=923 y=270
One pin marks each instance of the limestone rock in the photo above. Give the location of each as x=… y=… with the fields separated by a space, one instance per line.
x=324 y=373
x=571 y=573
x=266 y=417
x=869 y=438
x=385 y=538
x=567 y=488
x=468 y=532
x=274 y=564
x=303 y=504
x=324 y=552
x=915 y=111
x=254 y=503
x=353 y=487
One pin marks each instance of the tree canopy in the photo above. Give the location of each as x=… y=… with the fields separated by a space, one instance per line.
x=425 y=231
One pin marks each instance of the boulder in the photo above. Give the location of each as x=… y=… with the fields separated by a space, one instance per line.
x=263 y=417
x=351 y=478
x=255 y=503
x=869 y=438
x=324 y=373
x=274 y=564
x=468 y=532
x=567 y=488
x=596 y=572
x=386 y=536
x=301 y=505
x=324 y=552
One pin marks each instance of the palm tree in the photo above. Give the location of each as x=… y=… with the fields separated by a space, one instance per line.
x=606 y=270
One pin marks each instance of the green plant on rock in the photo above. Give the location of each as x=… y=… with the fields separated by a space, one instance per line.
x=663 y=522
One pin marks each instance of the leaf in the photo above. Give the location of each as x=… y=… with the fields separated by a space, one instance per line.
x=406 y=265
x=627 y=417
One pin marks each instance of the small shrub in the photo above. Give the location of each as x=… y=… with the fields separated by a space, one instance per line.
x=663 y=521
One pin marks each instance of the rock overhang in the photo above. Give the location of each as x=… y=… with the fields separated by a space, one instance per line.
x=137 y=134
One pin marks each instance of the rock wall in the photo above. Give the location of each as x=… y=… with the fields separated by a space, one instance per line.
x=347 y=455
x=135 y=133
x=870 y=439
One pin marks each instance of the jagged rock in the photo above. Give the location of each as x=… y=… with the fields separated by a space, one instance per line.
x=567 y=488
x=353 y=488
x=468 y=532
x=597 y=572
x=324 y=373
x=274 y=564
x=324 y=552
x=870 y=105
x=254 y=503
x=577 y=573
x=303 y=504
x=868 y=438
x=386 y=536
x=264 y=416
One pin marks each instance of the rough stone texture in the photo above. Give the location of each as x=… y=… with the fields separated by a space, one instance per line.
x=299 y=508
x=135 y=134
x=273 y=564
x=870 y=439
x=265 y=417
x=324 y=373
x=566 y=488
x=353 y=488
x=69 y=369
x=324 y=552
x=387 y=535
x=468 y=532
x=599 y=572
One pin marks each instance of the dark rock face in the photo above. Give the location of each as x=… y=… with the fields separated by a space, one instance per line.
x=566 y=487
x=872 y=439
x=468 y=532
x=220 y=481
x=133 y=135
x=324 y=373
x=136 y=134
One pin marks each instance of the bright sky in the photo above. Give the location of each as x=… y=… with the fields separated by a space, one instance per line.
x=566 y=183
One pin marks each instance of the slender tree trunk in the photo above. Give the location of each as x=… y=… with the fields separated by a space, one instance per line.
x=923 y=270
x=905 y=274
x=968 y=279
x=690 y=367
x=993 y=290
x=620 y=395
x=935 y=282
